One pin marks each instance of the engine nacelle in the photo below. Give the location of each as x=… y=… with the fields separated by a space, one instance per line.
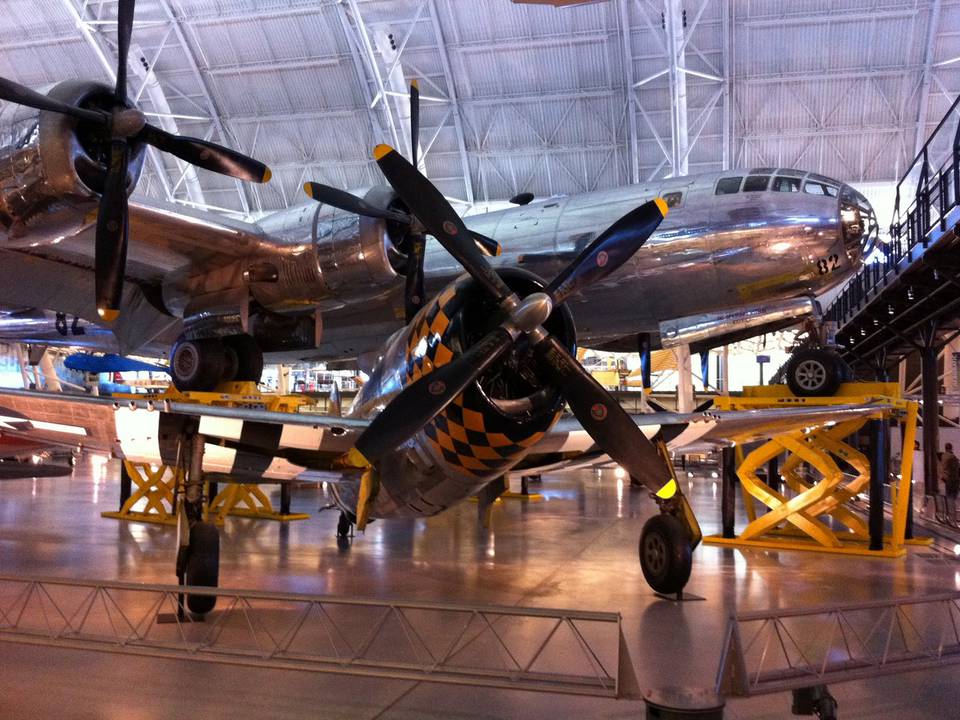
x=52 y=173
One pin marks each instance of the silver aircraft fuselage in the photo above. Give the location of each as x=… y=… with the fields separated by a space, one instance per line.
x=713 y=252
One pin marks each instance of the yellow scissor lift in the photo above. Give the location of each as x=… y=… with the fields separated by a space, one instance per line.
x=797 y=521
x=152 y=486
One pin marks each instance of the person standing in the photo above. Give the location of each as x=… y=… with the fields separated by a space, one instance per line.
x=950 y=477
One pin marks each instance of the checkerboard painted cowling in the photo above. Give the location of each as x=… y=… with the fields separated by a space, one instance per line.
x=469 y=436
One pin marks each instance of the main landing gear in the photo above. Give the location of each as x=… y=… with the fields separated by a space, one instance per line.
x=666 y=554
x=198 y=554
x=202 y=364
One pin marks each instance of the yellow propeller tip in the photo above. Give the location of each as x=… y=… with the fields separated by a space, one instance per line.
x=307 y=189
x=266 y=175
x=108 y=314
x=662 y=206
x=380 y=150
x=415 y=83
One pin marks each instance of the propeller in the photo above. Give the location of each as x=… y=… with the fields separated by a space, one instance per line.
x=123 y=125
x=415 y=241
x=598 y=412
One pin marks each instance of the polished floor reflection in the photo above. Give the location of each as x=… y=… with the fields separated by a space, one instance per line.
x=577 y=549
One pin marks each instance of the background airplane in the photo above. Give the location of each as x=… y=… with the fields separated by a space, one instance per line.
x=743 y=251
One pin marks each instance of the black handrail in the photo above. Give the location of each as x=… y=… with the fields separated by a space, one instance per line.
x=932 y=202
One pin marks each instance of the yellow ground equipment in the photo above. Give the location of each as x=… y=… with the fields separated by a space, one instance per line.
x=817 y=514
x=152 y=487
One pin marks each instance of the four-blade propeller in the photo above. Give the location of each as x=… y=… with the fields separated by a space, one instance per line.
x=414 y=242
x=123 y=126
x=598 y=412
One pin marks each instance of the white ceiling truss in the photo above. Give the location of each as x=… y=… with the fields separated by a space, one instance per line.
x=515 y=97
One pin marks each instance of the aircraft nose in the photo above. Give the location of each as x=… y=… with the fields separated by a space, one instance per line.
x=858 y=223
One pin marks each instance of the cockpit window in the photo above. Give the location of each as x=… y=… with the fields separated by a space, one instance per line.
x=763 y=171
x=673 y=199
x=786 y=184
x=729 y=185
x=813 y=187
x=756 y=183
x=790 y=172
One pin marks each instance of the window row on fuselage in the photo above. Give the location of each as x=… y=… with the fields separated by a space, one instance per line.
x=777 y=180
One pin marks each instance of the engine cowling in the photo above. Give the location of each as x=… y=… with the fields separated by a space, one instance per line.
x=53 y=172
x=486 y=430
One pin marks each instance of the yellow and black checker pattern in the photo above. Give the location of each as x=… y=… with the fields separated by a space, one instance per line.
x=464 y=437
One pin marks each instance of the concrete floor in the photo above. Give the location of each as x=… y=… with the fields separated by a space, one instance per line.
x=577 y=549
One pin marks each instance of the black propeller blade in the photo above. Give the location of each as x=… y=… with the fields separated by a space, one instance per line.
x=603 y=417
x=19 y=95
x=112 y=234
x=351 y=203
x=123 y=125
x=612 y=248
x=206 y=155
x=422 y=400
x=413 y=288
x=414 y=121
x=439 y=218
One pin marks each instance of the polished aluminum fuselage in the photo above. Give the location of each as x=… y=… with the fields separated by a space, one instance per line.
x=712 y=252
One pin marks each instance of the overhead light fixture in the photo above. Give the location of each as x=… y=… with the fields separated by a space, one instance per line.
x=889 y=309
x=910 y=293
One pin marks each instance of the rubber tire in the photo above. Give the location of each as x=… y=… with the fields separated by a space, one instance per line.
x=343 y=526
x=666 y=554
x=203 y=565
x=833 y=372
x=197 y=364
x=249 y=357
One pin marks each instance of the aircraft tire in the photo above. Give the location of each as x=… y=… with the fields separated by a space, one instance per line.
x=666 y=555
x=249 y=357
x=203 y=565
x=197 y=364
x=815 y=372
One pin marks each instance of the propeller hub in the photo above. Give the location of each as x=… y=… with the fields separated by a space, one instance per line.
x=127 y=122
x=532 y=312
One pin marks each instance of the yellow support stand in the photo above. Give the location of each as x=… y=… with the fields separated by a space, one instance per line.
x=154 y=487
x=799 y=521
x=152 y=499
x=243 y=500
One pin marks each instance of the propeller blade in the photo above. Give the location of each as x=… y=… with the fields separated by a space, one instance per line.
x=422 y=400
x=112 y=234
x=603 y=418
x=20 y=95
x=612 y=248
x=351 y=203
x=207 y=155
x=488 y=245
x=125 y=12
x=439 y=218
x=413 y=288
x=414 y=121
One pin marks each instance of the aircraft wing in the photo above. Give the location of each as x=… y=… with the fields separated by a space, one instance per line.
x=571 y=447
x=163 y=238
x=250 y=444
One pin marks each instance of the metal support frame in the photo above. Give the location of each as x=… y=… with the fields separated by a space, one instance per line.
x=829 y=492
x=773 y=651
x=933 y=28
x=519 y=648
x=674 y=40
x=728 y=493
x=879 y=440
x=931 y=411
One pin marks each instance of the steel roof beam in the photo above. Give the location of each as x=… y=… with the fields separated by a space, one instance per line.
x=933 y=27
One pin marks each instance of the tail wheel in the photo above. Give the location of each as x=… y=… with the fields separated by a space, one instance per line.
x=197 y=364
x=249 y=357
x=203 y=565
x=666 y=554
x=814 y=372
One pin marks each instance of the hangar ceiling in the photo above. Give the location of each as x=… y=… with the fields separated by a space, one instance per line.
x=516 y=97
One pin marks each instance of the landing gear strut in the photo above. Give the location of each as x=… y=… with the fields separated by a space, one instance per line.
x=204 y=363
